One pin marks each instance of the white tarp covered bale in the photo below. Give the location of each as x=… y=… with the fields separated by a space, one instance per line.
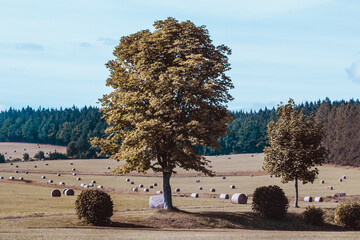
x=100 y=186
x=340 y=179
x=156 y=201
x=177 y=189
x=127 y=180
x=322 y=181
x=135 y=189
x=64 y=190
x=146 y=189
x=50 y=181
x=232 y=187
x=318 y=199
x=239 y=198
x=194 y=195
x=308 y=199
x=159 y=191
x=344 y=177
x=224 y=196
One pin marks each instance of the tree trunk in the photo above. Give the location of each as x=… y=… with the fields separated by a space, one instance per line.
x=296 y=193
x=167 y=191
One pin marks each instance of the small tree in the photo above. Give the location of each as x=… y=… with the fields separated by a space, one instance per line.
x=39 y=155
x=26 y=156
x=170 y=95
x=295 y=147
x=2 y=158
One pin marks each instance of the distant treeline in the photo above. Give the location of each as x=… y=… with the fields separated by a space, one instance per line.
x=73 y=127
x=70 y=127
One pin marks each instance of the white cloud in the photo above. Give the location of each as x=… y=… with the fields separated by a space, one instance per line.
x=108 y=41
x=354 y=71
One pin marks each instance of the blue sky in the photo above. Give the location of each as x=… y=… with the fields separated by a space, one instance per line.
x=52 y=53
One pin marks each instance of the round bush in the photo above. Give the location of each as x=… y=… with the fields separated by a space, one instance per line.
x=347 y=214
x=313 y=215
x=270 y=201
x=94 y=206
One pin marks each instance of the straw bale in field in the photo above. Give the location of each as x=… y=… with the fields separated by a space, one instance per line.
x=16 y=171
x=197 y=181
x=127 y=180
x=55 y=193
x=322 y=181
x=21 y=178
x=151 y=186
x=69 y=192
x=50 y=181
x=132 y=182
x=194 y=195
x=330 y=187
x=308 y=199
x=43 y=177
x=16 y=166
x=156 y=201
x=73 y=169
x=1 y=177
x=212 y=190
x=340 y=179
x=159 y=191
x=224 y=196
x=155 y=184
x=71 y=163
x=232 y=186
x=200 y=188
x=74 y=174
x=93 y=181
x=318 y=199
x=177 y=189
x=61 y=183
x=63 y=191
x=135 y=189
x=35 y=166
x=141 y=185
x=223 y=177
x=26 y=172
x=100 y=186
x=58 y=174
x=11 y=178
x=79 y=179
x=239 y=198
x=344 y=177
x=146 y=189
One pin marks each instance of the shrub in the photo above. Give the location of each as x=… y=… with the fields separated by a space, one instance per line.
x=26 y=156
x=347 y=214
x=313 y=215
x=94 y=206
x=270 y=201
x=2 y=158
x=39 y=155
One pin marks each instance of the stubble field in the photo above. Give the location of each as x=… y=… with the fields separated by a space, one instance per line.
x=28 y=212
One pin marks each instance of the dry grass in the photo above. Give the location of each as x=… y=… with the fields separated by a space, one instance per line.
x=31 y=149
x=28 y=211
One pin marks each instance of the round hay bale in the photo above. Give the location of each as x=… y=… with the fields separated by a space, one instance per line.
x=132 y=182
x=35 y=166
x=308 y=199
x=11 y=178
x=194 y=195
x=23 y=160
x=16 y=171
x=24 y=149
x=16 y=166
x=21 y=178
x=82 y=184
x=63 y=191
x=210 y=166
x=322 y=181
x=330 y=187
x=232 y=187
x=200 y=188
x=86 y=186
x=135 y=189
x=318 y=199
x=239 y=198
x=212 y=190
x=61 y=183
x=159 y=191
x=224 y=196
x=197 y=181
x=177 y=189
x=43 y=177
x=74 y=174
x=108 y=168
x=11 y=164
x=71 y=163
x=79 y=178
x=26 y=172
x=340 y=179
x=93 y=181
x=229 y=157
x=155 y=184
x=141 y=186
x=55 y=193
x=251 y=175
x=127 y=180
x=14 y=151
x=223 y=177
x=46 y=164
x=100 y=186
x=344 y=177
x=58 y=174
x=146 y=189
x=151 y=186
x=73 y=169
x=1 y=177
x=50 y=181
x=6 y=153
x=91 y=185
x=69 y=192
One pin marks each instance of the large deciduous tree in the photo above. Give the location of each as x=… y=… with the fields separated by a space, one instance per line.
x=169 y=95
x=295 y=147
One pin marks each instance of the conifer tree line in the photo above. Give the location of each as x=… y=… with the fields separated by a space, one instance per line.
x=73 y=127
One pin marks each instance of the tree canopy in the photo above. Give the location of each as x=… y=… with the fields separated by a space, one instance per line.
x=295 y=147
x=170 y=95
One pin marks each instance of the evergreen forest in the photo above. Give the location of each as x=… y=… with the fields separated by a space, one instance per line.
x=247 y=133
